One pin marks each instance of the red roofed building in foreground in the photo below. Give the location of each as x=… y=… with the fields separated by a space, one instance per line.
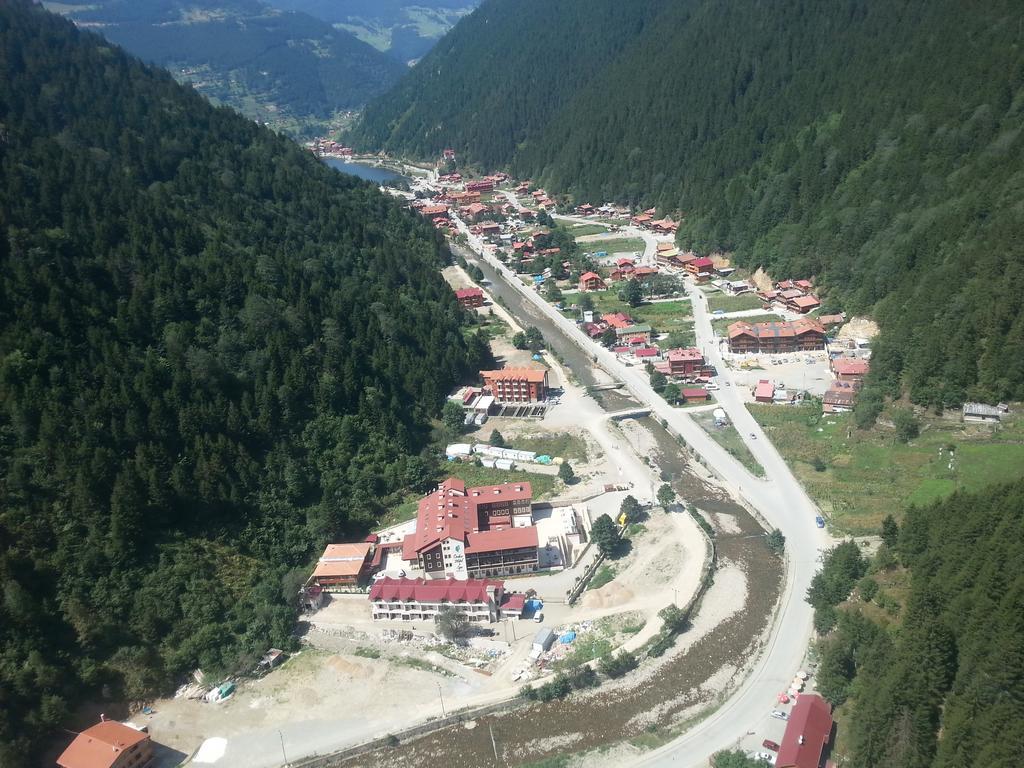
x=108 y=745
x=685 y=362
x=422 y=599
x=517 y=385
x=808 y=733
x=473 y=532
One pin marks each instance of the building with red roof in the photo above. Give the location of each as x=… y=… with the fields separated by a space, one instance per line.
x=617 y=320
x=482 y=531
x=343 y=565
x=686 y=361
x=483 y=185
x=803 y=335
x=422 y=599
x=694 y=395
x=764 y=392
x=469 y=297
x=803 y=303
x=108 y=745
x=808 y=733
x=702 y=269
x=517 y=385
x=591 y=281
x=850 y=368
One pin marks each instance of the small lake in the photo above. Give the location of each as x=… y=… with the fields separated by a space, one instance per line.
x=369 y=172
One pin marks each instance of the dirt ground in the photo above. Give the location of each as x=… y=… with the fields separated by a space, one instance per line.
x=858 y=328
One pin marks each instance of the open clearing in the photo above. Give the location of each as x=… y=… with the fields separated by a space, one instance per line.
x=739 y=303
x=869 y=474
x=730 y=439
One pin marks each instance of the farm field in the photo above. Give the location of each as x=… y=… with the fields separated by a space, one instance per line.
x=862 y=476
x=728 y=303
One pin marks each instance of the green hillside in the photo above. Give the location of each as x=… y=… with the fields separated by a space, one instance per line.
x=926 y=657
x=216 y=354
x=875 y=145
x=287 y=69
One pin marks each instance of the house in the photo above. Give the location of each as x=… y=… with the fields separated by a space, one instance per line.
x=808 y=733
x=665 y=225
x=634 y=334
x=625 y=264
x=474 y=211
x=736 y=287
x=695 y=395
x=803 y=304
x=108 y=745
x=434 y=211
x=641 y=220
x=849 y=368
x=701 y=268
x=342 y=565
x=764 y=392
x=641 y=272
x=984 y=413
x=469 y=297
x=647 y=353
x=591 y=281
x=839 y=397
x=830 y=320
x=517 y=385
x=803 y=335
x=482 y=600
x=474 y=532
x=617 y=320
x=685 y=362
x=483 y=185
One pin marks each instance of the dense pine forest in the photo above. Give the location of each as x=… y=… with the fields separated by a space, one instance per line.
x=872 y=144
x=930 y=674
x=215 y=355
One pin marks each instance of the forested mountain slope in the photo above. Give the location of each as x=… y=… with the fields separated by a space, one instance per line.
x=288 y=69
x=215 y=355
x=941 y=686
x=405 y=29
x=873 y=144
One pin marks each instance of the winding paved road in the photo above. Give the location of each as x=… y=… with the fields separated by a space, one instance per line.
x=779 y=498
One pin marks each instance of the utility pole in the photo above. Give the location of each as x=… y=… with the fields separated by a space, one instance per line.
x=441 y=696
x=285 y=756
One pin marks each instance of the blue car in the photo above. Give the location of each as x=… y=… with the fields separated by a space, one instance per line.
x=819 y=521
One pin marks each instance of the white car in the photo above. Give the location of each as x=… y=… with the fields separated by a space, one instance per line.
x=778 y=714
x=766 y=757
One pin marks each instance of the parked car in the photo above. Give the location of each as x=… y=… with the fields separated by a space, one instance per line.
x=767 y=757
x=769 y=744
x=819 y=521
x=778 y=714
x=539 y=617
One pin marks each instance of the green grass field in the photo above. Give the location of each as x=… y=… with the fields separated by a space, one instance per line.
x=613 y=245
x=663 y=316
x=582 y=230
x=733 y=303
x=869 y=474
x=730 y=439
x=562 y=444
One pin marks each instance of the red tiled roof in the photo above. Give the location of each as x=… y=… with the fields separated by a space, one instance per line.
x=495 y=541
x=452 y=511
x=433 y=590
x=791 y=293
x=845 y=366
x=533 y=375
x=645 y=271
x=464 y=293
x=625 y=263
x=647 y=352
x=683 y=354
x=806 y=301
x=775 y=329
x=342 y=560
x=701 y=263
x=807 y=732
x=617 y=320
x=589 y=276
x=100 y=746
x=694 y=392
x=764 y=390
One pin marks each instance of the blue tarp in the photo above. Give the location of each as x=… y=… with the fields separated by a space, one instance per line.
x=567 y=638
